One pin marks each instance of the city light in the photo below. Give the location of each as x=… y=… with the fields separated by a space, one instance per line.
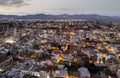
x=10 y=40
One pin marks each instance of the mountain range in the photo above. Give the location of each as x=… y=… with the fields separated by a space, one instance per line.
x=62 y=16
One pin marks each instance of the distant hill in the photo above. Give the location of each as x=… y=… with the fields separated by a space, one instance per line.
x=62 y=16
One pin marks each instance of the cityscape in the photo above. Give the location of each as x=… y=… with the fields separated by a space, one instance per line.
x=69 y=48
x=59 y=39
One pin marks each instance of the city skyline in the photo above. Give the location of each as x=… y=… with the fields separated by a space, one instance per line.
x=24 y=7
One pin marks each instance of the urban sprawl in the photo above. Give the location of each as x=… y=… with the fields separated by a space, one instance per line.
x=48 y=48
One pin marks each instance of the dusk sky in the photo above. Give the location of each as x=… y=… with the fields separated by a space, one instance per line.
x=21 y=7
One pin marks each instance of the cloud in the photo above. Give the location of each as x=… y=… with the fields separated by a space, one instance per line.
x=13 y=3
x=61 y=9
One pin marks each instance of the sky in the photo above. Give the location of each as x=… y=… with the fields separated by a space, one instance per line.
x=23 y=7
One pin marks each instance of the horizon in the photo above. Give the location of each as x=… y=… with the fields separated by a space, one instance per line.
x=58 y=14
x=57 y=7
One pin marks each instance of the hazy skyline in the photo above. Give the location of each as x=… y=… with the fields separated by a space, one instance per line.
x=21 y=7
